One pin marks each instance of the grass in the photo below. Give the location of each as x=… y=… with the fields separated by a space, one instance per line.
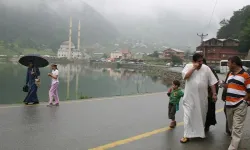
x=16 y=50
x=156 y=62
x=25 y=51
x=85 y=97
x=35 y=51
x=7 y=52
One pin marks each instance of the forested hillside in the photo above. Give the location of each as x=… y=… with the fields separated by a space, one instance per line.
x=237 y=27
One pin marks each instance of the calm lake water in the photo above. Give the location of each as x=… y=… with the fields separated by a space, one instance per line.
x=76 y=81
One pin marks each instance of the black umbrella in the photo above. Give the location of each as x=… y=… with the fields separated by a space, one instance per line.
x=37 y=60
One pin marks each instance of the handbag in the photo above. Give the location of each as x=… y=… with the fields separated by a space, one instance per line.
x=37 y=81
x=224 y=92
x=25 y=88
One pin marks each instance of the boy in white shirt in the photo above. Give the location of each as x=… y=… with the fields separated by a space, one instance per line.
x=53 y=92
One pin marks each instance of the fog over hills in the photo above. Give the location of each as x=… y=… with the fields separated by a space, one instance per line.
x=173 y=23
x=47 y=22
x=139 y=25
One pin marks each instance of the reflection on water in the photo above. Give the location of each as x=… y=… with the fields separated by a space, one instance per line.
x=77 y=80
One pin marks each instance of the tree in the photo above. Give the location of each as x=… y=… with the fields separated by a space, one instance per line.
x=187 y=54
x=237 y=27
x=12 y=46
x=154 y=78
x=105 y=56
x=176 y=60
x=245 y=37
x=5 y=44
x=224 y=22
x=155 y=54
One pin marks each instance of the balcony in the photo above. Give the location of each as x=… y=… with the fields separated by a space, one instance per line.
x=228 y=52
x=214 y=58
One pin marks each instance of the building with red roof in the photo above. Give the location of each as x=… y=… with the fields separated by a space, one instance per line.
x=215 y=50
x=169 y=52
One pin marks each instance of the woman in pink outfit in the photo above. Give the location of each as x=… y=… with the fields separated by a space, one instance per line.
x=53 y=92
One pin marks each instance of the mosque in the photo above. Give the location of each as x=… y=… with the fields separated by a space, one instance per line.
x=68 y=49
x=63 y=51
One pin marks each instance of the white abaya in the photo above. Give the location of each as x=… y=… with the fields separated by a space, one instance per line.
x=195 y=103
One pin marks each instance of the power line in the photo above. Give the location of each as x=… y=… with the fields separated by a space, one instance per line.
x=216 y=1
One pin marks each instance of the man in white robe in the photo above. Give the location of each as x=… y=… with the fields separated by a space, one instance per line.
x=197 y=78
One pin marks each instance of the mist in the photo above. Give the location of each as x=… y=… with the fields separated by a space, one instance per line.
x=173 y=22
x=152 y=23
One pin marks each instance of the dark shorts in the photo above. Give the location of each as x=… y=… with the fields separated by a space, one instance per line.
x=171 y=111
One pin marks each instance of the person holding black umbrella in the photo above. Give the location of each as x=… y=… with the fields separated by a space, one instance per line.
x=32 y=81
x=33 y=62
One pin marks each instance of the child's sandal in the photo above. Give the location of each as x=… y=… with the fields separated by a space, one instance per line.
x=184 y=140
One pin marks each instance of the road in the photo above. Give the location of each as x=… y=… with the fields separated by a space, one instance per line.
x=137 y=122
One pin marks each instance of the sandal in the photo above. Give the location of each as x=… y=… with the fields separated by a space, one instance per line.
x=172 y=124
x=184 y=140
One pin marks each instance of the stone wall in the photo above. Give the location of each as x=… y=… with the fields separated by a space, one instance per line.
x=157 y=70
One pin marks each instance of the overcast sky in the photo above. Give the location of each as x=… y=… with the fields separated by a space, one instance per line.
x=172 y=22
x=182 y=19
x=200 y=9
x=224 y=8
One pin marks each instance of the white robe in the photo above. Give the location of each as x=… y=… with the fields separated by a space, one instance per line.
x=195 y=102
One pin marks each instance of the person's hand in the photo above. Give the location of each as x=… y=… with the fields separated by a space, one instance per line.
x=248 y=102
x=49 y=74
x=195 y=65
x=221 y=84
x=169 y=90
x=32 y=72
x=214 y=97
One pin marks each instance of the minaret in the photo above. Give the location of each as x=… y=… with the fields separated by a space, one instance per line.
x=77 y=81
x=78 y=47
x=70 y=34
x=68 y=77
x=79 y=35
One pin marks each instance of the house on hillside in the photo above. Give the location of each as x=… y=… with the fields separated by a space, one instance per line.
x=116 y=55
x=215 y=49
x=97 y=56
x=126 y=54
x=123 y=54
x=168 y=53
x=139 y=55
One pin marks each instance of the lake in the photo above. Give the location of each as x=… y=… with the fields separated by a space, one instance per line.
x=77 y=81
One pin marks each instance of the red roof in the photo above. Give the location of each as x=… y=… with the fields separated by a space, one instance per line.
x=173 y=49
x=125 y=51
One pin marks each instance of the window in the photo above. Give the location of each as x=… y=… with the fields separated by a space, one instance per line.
x=223 y=63
x=246 y=63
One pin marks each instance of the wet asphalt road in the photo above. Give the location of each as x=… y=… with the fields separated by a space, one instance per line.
x=89 y=124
